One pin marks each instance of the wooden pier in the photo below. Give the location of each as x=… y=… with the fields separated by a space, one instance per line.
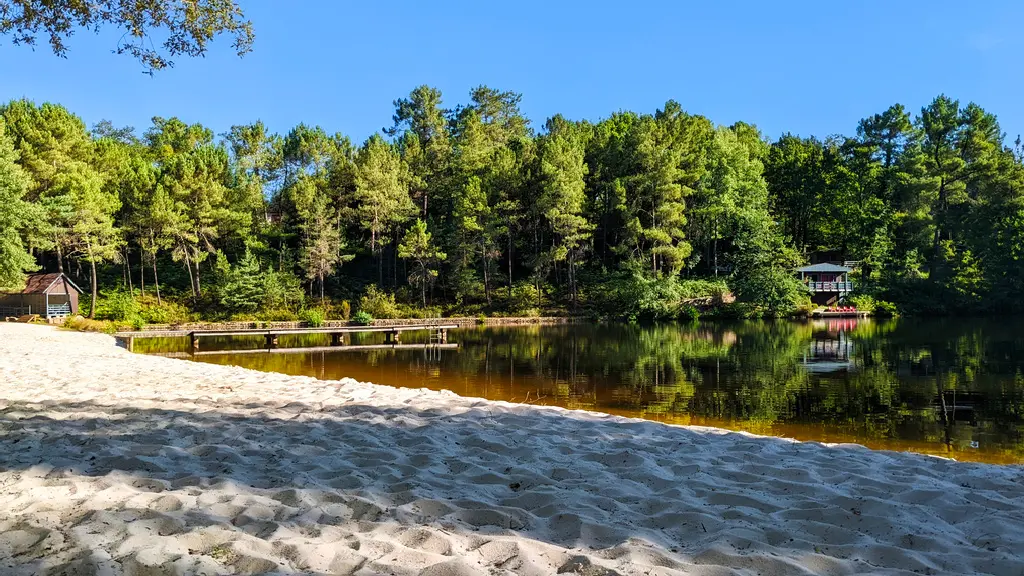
x=392 y=334
x=309 y=349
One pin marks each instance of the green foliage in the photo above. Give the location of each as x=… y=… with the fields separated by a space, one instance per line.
x=362 y=318
x=119 y=306
x=416 y=246
x=89 y=325
x=187 y=27
x=524 y=297
x=313 y=317
x=166 y=312
x=641 y=296
x=345 y=310
x=242 y=289
x=16 y=216
x=379 y=304
x=467 y=209
x=247 y=288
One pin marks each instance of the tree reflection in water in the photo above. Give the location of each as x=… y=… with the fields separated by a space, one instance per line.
x=951 y=387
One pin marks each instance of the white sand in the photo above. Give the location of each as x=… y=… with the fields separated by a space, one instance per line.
x=115 y=463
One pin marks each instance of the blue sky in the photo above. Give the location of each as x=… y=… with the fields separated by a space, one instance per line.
x=809 y=67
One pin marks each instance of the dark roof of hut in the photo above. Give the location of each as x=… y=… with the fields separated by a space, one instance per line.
x=41 y=283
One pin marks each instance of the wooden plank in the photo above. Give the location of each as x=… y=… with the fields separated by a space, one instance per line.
x=339 y=330
x=285 y=331
x=360 y=347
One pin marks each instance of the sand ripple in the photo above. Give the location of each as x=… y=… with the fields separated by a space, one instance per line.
x=113 y=463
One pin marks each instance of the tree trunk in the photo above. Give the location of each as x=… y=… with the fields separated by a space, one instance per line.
x=128 y=269
x=199 y=289
x=191 y=280
x=714 y=250
x=487 y=284
x=423 y=283
x=60 y=256
x=510 y=265
x=95 y=285
x=156 y=283
x=142 y=270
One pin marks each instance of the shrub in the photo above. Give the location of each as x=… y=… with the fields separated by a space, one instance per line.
x=524 y=295
x=638 y=296
x=883 y=308
x=868 y=303
x=406 y=311
x=362 y=318
x=280 y=315
x=345 y=310
x=313 y=317
x=379 y=304
x=118 y=306
x=86 y=325
x=167 y=312
x=863 y=302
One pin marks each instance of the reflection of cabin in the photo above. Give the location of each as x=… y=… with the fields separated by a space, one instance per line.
x=828 y=283
x=48 y=295
x=828 y=355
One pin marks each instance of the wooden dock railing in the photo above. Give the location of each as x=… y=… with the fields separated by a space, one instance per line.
x=438 y=334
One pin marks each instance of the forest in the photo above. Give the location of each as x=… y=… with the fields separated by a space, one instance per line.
x=471 y=209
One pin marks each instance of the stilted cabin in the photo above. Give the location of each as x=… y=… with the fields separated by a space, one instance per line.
x=828 y=283
x=48 y=295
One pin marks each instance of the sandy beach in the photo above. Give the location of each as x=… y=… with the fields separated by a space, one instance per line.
x=118 y=463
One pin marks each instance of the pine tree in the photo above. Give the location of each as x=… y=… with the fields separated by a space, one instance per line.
x=16 y=216
x=382 y=194
x=417 y=247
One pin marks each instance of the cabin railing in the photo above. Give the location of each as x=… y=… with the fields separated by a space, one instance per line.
x=830 y=286
x=58 y=310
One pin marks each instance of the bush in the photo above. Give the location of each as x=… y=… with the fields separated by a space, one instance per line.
x=406 y=311
x=639 y=296
x=868 y=303
x=379 y=304
x=524 y=296
x=362 y=318
x=118 y=306
x=883 y=308
x=168 y=312
x=863 y=302
x=345 y=310
x=86 y=325
x=313 y=317
x=280 y=315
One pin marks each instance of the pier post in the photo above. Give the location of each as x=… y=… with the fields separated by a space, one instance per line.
x=444 y=335
x=195 y=342
x=271 y=341
x=337 y=339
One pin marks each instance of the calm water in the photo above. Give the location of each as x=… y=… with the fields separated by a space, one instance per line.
x=948 y=387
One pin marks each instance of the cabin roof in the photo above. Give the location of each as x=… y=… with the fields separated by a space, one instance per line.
x=824 y=267
x=42 y=283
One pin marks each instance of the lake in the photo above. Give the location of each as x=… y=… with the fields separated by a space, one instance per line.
x=951 y=387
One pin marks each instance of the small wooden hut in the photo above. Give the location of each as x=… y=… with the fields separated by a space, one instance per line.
x=828 y=283
x=51 y=295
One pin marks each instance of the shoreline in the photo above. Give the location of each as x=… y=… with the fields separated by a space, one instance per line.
x=110 y=460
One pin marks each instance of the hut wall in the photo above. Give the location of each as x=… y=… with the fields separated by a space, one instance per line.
x=36 y=301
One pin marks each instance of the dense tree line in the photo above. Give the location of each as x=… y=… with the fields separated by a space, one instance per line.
x=471 y=209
